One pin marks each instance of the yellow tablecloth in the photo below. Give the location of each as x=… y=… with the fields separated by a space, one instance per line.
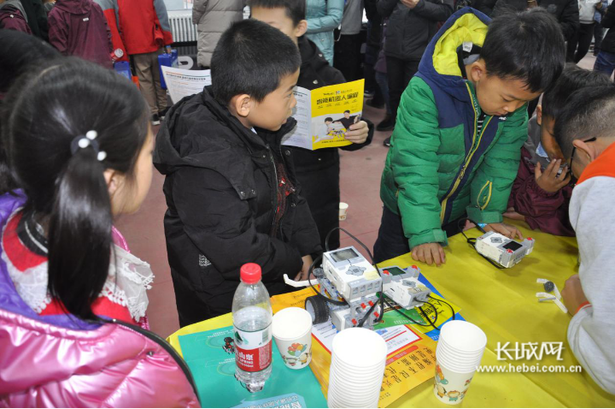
x=503 y=304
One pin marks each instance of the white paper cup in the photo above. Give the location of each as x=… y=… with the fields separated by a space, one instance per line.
x=463 y=336
x=357 y=368
x=451 y=386
x=343 y=210
x=292 y=332
x=359 y=348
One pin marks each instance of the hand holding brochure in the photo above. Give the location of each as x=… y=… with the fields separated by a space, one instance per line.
x=324 y=115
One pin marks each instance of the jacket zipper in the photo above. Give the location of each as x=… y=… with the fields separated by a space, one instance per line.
x=170 y=350
x=275 y=185
x=467 y=159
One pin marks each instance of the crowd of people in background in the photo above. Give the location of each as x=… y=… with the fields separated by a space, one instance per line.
x=386 y=51
x=457 y=84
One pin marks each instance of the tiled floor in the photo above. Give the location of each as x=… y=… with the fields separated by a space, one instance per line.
x=360 y=183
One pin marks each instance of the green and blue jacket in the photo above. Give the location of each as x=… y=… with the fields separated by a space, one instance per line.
x=439 y=167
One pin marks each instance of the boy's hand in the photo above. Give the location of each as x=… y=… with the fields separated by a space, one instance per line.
x=429 y=253
x=548 y=180
x=357 y=133
x=504 y=229
x=573 y=295
x=305 y=269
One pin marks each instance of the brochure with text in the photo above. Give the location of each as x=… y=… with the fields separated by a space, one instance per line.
x=325 y=114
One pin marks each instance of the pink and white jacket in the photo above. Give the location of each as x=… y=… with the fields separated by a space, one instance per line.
x=61 y=361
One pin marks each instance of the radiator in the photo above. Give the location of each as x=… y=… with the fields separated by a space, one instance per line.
x=181 y=26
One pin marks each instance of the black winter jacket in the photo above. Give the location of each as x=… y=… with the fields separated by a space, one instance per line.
x=318 y=171
x=410 y=30
x=565 y=11
x=221 y=193
x=608 y=21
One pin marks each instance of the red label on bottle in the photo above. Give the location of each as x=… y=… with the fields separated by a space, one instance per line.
x=253 y=360
x=253 y=349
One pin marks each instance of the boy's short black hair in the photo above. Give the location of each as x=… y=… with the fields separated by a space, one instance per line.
x=251 y=58
x=295 y=9
x=328 y=119
x=528 y=46
x=572 y=79
x=588 y=113
x=346 y=111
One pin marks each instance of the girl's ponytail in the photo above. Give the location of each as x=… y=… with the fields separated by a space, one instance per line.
x=80 y=233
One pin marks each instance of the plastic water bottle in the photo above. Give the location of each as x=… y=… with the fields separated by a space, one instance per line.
x=252 y=328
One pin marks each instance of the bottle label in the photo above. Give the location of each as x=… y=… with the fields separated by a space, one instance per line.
x=253 y=349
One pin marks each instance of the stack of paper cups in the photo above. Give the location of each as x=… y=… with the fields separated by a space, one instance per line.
x=458 y=354
x=357 y=367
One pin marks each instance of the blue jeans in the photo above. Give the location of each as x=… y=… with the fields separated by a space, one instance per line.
x=383 y=83
x=605 y=63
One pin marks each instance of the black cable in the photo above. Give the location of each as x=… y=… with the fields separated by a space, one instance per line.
x=404 y=314
x=433 y=324
x=449 y=306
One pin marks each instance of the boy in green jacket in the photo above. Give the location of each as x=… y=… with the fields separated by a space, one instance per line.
x=460 y=127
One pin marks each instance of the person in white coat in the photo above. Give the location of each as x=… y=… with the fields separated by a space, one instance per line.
x=585 y=134
x=212 y=18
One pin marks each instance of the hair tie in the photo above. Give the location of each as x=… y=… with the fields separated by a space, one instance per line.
x=82 y=142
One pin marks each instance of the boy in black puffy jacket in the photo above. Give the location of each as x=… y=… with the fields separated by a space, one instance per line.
x=232 y=196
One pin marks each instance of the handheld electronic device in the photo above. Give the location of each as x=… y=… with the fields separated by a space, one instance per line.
x=351 y=274
x=502 y=250
x=404 y=287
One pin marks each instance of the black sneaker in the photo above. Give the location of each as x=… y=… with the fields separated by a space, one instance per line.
x=155 y=120
x=387 y=124
x=163 y=113
x=387 y=142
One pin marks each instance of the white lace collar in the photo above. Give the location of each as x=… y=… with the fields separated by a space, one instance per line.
x=127 y=283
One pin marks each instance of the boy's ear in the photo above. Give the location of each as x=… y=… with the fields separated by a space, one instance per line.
x=241 y=104
x=539 y=115
x=301 y=28
x=477 y=71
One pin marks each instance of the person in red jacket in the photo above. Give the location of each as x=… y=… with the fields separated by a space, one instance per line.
x=13 y=16
x=110 y=10
x=79 y=28
x=541 y=192
x=145 y=30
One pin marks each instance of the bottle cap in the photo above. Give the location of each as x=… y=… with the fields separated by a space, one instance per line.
x=250 y=273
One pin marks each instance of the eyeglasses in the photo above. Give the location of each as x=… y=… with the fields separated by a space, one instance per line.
x=574 y=149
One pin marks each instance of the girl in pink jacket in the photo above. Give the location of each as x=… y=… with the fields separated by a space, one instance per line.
x=77 y=152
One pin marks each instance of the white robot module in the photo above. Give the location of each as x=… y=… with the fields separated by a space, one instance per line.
x=349 y=287
x=502 y=250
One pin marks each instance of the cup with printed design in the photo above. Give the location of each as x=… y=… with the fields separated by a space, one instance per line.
x=460 y=349
x=292 y=332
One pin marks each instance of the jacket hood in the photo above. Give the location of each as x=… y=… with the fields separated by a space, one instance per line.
x=440 y=64
x=76 y=7
x=9 y=298
x=199 y=132
x=15 y=4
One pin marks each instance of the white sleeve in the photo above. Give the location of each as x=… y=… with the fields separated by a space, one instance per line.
x=591 y=333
